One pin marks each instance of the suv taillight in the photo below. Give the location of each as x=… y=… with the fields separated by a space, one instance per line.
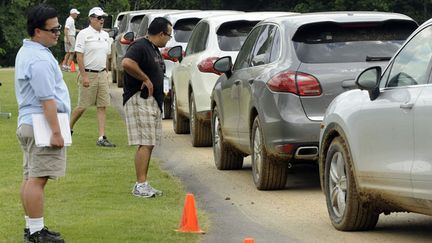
x=206 y=65
x=301 y=84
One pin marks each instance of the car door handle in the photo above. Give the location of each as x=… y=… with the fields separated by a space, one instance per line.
x=237 y=82
x=250 y=81
x=407 y=106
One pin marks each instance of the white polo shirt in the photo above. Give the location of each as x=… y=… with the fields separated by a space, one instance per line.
x=95 y=45
x=70 y=25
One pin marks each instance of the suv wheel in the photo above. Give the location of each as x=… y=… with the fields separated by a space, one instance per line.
x=346 y=210
x=225 y=158
x=200 y=131
x=180 y=123
x=267 y=173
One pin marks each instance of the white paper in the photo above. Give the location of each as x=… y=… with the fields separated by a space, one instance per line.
x=42 y=131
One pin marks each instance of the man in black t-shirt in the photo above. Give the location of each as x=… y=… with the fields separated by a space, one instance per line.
x=142 y=98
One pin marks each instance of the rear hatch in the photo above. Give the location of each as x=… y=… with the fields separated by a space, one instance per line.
x=336 y=53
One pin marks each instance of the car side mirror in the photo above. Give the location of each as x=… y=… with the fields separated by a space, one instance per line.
x=369 y=80
x=224 y=65
x=127 y=38
x=176 y=52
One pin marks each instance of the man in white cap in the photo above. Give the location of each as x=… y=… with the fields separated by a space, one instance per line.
x=93 y=45
x=69 y=38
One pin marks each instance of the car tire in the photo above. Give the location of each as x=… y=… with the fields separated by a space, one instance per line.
x=267 y=173
x=346 y=210
x=167 y=107
x=199 y=130
x=113 y=70
x=180 y=123
x=226 y=157
x=119 y=77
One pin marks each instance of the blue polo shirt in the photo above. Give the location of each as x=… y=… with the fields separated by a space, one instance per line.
x=37 y=78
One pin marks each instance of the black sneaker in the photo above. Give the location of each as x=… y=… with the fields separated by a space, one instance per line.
x=45 y=236
x=104 y=142
x=26 y=234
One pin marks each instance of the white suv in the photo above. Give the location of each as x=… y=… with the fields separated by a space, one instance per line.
x=194 y=78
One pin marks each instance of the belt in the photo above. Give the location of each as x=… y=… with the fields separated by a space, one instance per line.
x=94 y=71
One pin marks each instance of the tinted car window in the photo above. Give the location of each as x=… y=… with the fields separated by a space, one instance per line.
x=142 y=31
x=352 y=42
x=410 y=66
x=262 y=50
x=183 y=29
x=198 y=39
x=122 y=25
x=231 y=35
x=135 y=22
x=275 y=51
x=244 y=54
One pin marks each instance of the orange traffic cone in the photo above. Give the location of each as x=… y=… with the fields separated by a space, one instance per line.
x=72 y=67
x=189 y=221
x=249 y=240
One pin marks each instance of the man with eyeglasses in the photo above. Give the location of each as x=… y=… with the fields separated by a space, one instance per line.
x=93 y=45
x=143 y=97
x=40 y=89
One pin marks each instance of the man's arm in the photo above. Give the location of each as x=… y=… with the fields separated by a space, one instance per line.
x=84 y=77
x=133 y=69
x=66 y=33
x=50 y=112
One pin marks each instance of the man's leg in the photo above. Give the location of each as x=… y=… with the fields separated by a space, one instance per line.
x=70 y=58
x=76 y=114
x=33 y=194
x=142 y=159
x=101 y=120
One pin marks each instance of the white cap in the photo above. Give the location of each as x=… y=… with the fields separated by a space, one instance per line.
x=74 y=11
x=97 y=11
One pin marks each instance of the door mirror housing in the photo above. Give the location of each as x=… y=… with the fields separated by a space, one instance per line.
x=176 y=52
x=369 y=80
x=224 y=65
x=127 y=38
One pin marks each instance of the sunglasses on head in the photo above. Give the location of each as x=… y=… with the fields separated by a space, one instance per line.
x=98 y=17
x=54 y=30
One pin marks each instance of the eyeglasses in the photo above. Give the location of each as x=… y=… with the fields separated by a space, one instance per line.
x=54 y=30
x=98 y=17
x=165 y=33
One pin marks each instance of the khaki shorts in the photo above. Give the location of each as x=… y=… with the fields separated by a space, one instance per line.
x=40 y=161
x=97 y=93
x=70 y=47
x=143 y=121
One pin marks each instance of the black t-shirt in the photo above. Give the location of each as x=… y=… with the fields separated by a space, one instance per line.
x=151 y=63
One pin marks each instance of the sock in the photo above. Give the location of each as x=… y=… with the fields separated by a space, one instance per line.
x=26 y=221
x=36 y=224
x=101 y=137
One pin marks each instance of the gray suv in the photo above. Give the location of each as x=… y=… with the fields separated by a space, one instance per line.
x=270 y=103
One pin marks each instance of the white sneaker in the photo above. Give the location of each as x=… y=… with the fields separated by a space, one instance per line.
x=141 y=190
x=154 y=190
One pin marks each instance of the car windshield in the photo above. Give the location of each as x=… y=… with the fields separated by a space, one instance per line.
x=183 y=29
x=352 y=42
x=231 y=35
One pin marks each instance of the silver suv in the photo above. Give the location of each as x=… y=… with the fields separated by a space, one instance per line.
x=270 y=103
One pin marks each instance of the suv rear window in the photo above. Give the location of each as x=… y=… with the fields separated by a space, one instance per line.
x=231 y=35
x=351 y=42
x=183 y=29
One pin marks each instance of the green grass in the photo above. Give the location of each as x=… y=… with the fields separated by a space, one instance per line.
x=93 y=203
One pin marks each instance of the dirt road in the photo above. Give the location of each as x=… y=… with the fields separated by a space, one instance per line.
x=296 y=214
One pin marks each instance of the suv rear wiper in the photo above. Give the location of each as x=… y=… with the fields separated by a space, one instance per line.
x=376 y=59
